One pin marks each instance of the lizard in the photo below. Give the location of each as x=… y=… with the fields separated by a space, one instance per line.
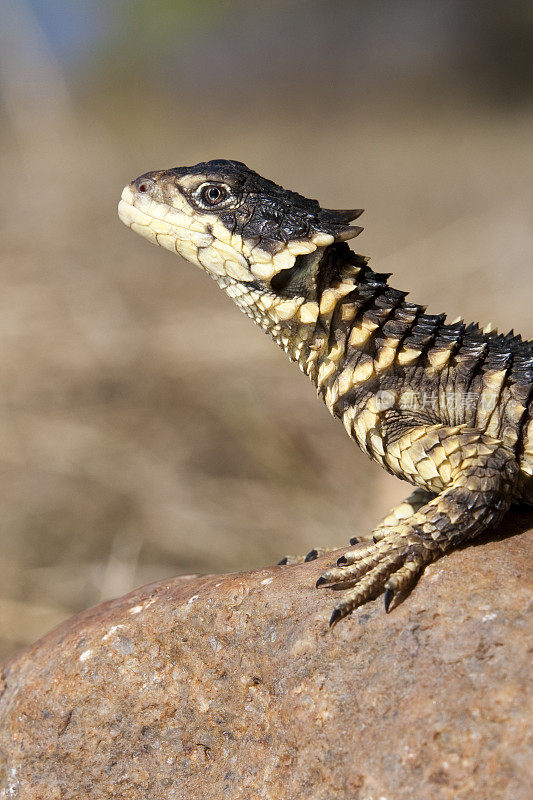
x=444 y=406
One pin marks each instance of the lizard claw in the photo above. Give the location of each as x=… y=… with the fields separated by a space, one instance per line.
x=389 y=596
x=316 y=552
x=335 y=617
x=387 y=567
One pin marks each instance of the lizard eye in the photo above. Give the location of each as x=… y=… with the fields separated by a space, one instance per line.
x=212 y=194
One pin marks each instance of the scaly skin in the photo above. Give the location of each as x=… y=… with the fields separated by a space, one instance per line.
x=447 y=408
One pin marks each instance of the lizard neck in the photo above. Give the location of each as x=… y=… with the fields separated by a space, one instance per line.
x=321 y=308
x=347 y=329
x=295 y=309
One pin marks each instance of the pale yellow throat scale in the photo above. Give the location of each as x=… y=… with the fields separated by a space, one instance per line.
x=297 y=324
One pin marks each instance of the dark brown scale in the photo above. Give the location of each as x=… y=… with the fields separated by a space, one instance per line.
x=468 y=364
x=499 y=354
x=424 y=332
x=378 y=309
x=422 y=337
x=361 y=297
x=385 y=303
x=402 y=322
x=522 y=366
x=447 y=340
x=511 y=354
x=397 y=326
x=391 y=300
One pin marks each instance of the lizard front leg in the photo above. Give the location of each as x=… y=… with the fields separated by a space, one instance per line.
x=480 y=473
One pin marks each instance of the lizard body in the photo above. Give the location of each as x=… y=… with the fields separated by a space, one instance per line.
x=446 y=407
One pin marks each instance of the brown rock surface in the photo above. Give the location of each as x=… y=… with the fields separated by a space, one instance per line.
x=232 y=686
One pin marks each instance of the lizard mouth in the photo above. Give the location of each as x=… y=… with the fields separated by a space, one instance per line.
x=175 y=230
x=159 y=223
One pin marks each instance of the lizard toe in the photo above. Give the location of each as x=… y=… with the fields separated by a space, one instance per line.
x=388 y=567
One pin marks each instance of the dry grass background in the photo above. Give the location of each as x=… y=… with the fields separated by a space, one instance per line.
x=146 y=428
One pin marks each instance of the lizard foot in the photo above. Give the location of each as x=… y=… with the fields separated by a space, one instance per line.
x=387 y=566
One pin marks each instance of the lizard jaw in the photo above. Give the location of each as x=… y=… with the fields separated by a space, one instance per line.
x=175 y=230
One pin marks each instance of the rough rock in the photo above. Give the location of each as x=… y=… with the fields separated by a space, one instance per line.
x=232 y=686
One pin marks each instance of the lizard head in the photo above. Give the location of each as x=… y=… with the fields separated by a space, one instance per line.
x=230 y=221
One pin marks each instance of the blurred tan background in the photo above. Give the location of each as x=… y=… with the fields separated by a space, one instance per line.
x=146 y=427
